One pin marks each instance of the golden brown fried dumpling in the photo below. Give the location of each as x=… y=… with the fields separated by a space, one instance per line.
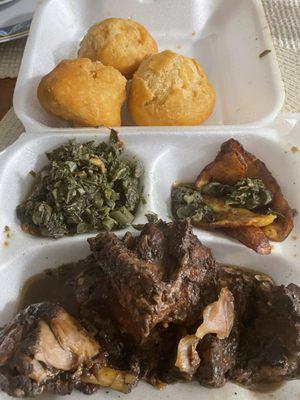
x=84 y=92
x=170 y=89
x=121 y=43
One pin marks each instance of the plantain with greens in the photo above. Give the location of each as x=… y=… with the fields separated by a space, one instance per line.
x=220 y=206
x=85 y=187
x=238 y=195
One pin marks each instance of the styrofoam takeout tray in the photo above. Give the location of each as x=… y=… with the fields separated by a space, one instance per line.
x=178 y=155
x=225 y=36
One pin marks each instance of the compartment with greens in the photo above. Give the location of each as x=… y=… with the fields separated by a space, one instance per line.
x=85 y=187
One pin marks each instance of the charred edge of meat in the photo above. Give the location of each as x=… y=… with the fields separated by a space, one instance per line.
x=158 y=278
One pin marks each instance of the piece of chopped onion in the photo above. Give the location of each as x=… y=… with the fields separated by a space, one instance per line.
x=218 y=318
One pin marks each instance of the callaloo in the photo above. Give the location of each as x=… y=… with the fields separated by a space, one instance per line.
x=85 y=187
x=247 y=193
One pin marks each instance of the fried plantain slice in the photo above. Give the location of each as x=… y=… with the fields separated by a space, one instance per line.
x=227 y=216
x=233 y=163
x=227 y=168
x=252 y=237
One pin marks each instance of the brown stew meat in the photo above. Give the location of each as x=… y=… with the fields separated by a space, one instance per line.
x=154 y=307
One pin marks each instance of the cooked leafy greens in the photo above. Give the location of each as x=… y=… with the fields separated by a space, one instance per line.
x=248 y=193
x=199 y=204
x=85 y=187
x=188 y=203
x=152 y=217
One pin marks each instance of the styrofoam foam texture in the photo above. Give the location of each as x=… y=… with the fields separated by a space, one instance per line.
x=177 y=156
x=225 y=36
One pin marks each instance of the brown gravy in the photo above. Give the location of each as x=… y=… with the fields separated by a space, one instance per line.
x=268 y=387
x=53 y=285
x=264 y=387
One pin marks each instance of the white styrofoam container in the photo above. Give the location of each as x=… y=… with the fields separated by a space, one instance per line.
x=225 y=36
x=177 y=155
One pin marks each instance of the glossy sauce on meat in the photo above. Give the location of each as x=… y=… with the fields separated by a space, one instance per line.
x=54 y=285
x=140 y=295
